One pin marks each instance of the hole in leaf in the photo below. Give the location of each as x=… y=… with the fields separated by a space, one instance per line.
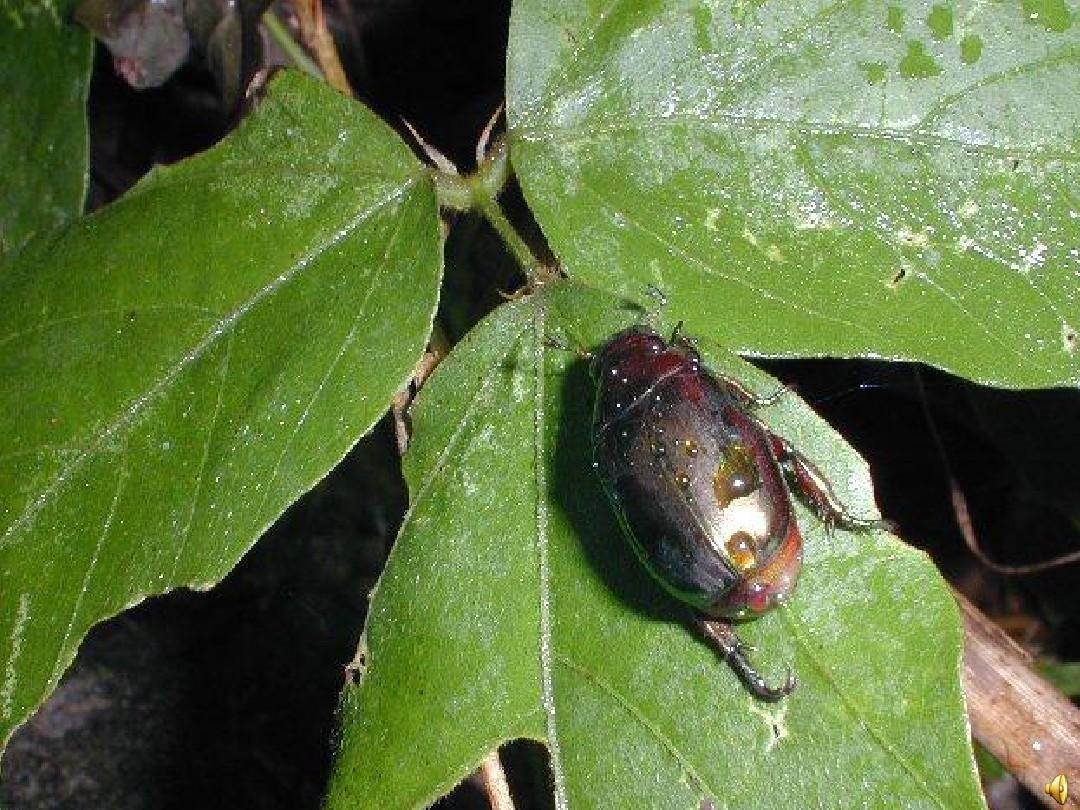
x=1069 y=338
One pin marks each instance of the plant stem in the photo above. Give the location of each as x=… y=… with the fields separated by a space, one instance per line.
x=1017 y=716
x=316 y=37
x=498 y=791
x=480 y=191
x=297 y=55
x=493 y=213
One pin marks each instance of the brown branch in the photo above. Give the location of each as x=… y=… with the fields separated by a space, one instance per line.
x=438 y=348
x=494 y=779
x=317 y=39
x=1017 y=715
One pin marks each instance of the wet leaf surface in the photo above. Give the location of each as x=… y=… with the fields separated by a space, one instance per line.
x=871 y=179
x=512 y=607
x=182 y=365
x=45 y=65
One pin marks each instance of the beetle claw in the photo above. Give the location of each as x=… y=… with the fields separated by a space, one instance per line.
x=772 y=694
x=754 y=682
x=810 y=483
x=734 y=651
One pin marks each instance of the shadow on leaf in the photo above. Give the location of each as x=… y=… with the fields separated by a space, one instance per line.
x=576 y=490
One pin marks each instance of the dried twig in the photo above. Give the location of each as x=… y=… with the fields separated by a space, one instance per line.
x=963 y=521
x=438 y=348
x=317 y=39
x=963 y=515
x=1017 y=716
x=494 y=779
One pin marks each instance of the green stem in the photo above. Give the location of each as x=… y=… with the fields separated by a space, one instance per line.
x=511 y=238
x=485 y=186
x=292 y=48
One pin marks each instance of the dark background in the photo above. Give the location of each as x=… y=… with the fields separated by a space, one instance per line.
x=227 y=698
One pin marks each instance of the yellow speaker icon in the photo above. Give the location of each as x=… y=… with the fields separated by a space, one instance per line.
x=1058 y=788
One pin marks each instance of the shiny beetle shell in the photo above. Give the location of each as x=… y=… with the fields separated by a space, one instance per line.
x=694 y=477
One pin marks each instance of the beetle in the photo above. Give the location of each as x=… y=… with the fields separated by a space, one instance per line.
x=702 y=488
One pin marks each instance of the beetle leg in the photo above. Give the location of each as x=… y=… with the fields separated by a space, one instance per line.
x=811 y=484
x=728 y=644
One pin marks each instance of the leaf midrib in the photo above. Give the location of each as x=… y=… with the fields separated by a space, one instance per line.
x=559 y=136
x=545 y=645
x=795 y=630
x=224 y=326
x=850 y=707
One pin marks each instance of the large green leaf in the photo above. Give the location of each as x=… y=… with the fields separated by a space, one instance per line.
x=181 y=366
x=511 y=607
x=834 y=178
x=44 y=78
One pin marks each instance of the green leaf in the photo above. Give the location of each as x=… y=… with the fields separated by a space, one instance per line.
x=891 y=180
x=44 y=79
x=1065 y=675
x=179 y=367
x=512 y=607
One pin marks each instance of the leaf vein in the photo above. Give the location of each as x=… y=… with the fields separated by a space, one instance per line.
x=122 y=311
x=128 y=414
x=200 y=476
x=820 y=181
x=350 y=339
x=853 y=709
x=636 y=714
x=1047 y=60
x=121 y=478
x=708 y=270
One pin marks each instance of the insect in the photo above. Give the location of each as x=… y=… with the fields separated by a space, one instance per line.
x=702 y=487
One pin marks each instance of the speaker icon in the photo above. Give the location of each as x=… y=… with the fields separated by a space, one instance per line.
x=1058 y=788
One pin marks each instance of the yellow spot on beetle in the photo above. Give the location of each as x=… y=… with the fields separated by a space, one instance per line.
x=740 y=548
x=735 y=477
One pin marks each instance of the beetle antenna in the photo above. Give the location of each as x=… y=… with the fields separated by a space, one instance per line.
x=866 y=386
x=676 y=332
